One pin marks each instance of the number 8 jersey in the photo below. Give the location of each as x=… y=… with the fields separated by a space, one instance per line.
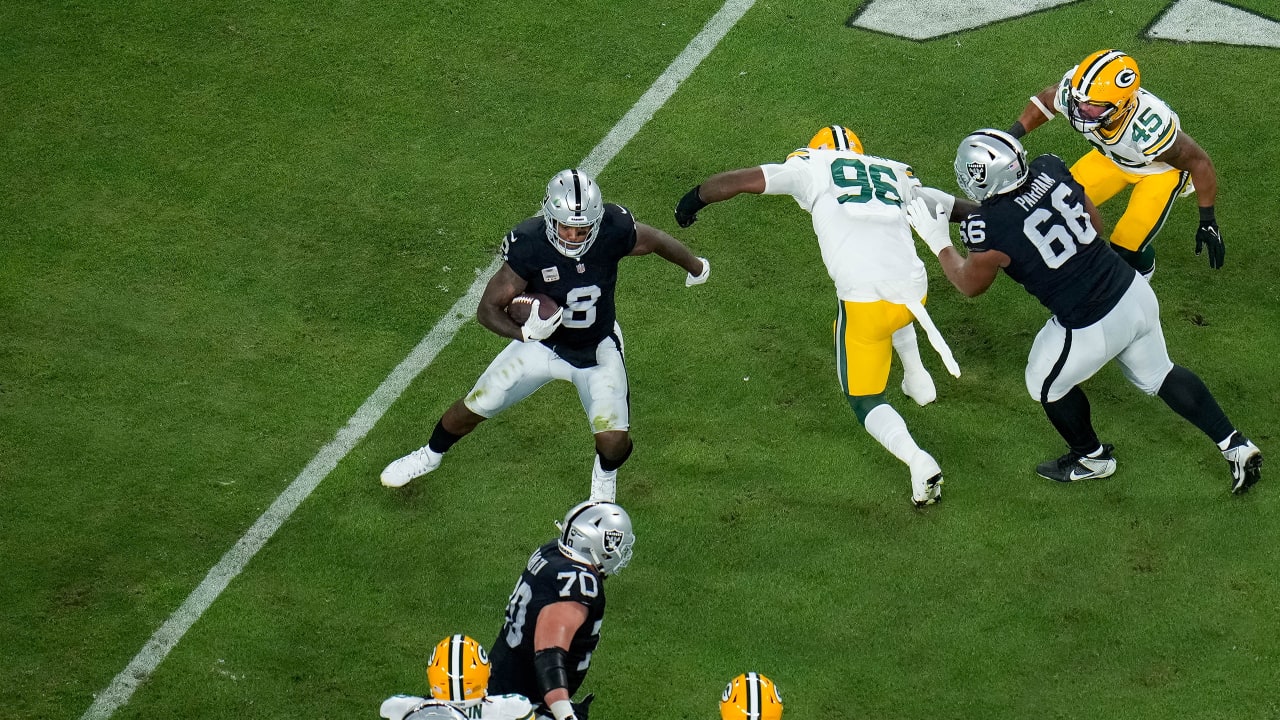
x=549 y=578
x=1054 y=250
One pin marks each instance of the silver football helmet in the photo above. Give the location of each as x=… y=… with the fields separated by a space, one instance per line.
x=573 y=200
x=990 y=162
x=598 y=534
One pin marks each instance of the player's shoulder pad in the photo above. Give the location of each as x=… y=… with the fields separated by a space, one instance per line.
x=522 y=238
x=802 y=153
x=511 y=706
x=397 y=707
x=1046 y=162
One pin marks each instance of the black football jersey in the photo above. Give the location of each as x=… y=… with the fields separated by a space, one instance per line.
x=1054 y=250
x=584 y=286
x=550 y=577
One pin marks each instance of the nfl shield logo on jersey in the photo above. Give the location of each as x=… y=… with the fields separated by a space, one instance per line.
x=978 y=171
x=612 y=540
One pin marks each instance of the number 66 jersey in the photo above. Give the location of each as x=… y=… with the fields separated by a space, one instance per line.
x=1053 y=248
x=550 y=577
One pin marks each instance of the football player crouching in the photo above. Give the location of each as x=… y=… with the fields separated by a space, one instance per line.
x=458 y=675
x=751 y=696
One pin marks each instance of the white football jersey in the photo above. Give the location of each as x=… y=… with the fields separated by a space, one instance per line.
x=1149 y=131
x=858 y=203
x=492 y=707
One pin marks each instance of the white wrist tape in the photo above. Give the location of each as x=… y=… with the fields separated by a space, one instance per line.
x=562 y=709
x=1047 y=112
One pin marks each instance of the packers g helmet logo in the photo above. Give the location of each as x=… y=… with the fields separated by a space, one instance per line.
x=751 y=696
x=1126 y=77
x=458 y=670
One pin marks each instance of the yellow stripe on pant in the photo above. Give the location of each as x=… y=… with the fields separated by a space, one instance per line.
x=864 y=344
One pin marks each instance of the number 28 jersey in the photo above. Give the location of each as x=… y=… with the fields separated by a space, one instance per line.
x=1053 y=248
x=549 y=578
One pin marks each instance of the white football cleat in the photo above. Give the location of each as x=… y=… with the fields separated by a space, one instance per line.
x=604 y=486
x=926 y=480
x=919 y=387
x=414 y=465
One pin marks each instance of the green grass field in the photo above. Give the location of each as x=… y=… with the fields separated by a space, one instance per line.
x=224 y=223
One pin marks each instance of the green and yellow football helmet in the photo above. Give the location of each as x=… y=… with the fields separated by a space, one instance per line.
x=751 y=696
x=836 y=137
x=1103 y=91
x=458 y=670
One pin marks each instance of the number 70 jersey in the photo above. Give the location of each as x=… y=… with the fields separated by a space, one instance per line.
x=549 y=578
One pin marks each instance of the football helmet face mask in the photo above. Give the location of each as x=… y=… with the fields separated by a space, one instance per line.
x=572 y=201
x=751 y=696
x=1103 y=90
x=988 y=163
x=458 y=671
x=836 y=137
x=598 y=534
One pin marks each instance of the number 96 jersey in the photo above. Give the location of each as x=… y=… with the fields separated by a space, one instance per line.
x=549 y=578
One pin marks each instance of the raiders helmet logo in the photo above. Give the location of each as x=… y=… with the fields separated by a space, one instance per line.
x=1126 y=77
x=978 y=172
x=612 y=540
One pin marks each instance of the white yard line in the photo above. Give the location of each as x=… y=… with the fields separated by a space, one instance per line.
x=167 y=636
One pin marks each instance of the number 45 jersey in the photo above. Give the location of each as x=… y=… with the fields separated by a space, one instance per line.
x=549 y=578
x=1053 y=248
x=1148 y=131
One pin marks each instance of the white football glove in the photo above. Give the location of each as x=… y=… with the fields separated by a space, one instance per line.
x=535 y=328
x=690 y=280
x=932 y=226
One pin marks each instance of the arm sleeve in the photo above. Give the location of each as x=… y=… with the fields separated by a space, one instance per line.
x=934 y=197
x=789 y=178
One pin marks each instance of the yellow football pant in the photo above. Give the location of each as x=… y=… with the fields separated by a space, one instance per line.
x=1149 y=205
x=864 y=344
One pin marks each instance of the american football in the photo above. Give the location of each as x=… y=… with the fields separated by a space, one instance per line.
x=521 y=305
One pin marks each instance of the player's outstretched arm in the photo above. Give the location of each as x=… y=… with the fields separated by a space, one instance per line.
x=650 y=239
x=972 y=274
x=1186 y=154
x=1039 y=110
x=717 y=188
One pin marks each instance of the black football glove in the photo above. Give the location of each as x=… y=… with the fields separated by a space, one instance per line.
x=688 y=207
x=581 y=709
x=1208 y=235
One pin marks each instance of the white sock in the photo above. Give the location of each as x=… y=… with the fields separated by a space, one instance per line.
x=890 y=430
x=604 y=485
x=908 y=349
